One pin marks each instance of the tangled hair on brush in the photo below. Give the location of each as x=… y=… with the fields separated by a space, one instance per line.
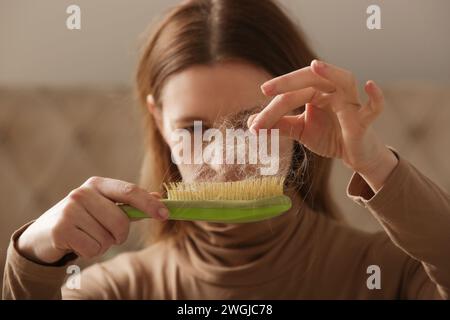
x=205 y=32
x=236 y=123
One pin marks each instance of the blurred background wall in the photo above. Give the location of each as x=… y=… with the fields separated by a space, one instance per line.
x=37 y=49
x=67 y=111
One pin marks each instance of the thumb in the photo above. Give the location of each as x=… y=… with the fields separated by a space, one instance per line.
x=156 y=194
x=374 y=105
x=291 y=126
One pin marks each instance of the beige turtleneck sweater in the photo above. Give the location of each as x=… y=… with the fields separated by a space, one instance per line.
x=298 y=255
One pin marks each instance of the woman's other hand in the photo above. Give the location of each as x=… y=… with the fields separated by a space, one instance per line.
x=335 y=123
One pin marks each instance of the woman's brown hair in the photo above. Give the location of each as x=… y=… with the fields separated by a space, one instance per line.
x=204 y=32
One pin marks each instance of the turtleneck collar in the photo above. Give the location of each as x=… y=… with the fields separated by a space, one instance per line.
x=248 y=253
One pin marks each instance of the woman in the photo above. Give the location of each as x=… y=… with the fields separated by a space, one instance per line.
x=210 y=60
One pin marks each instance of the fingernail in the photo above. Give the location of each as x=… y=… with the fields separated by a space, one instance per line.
x=253 y=130
x=268 y=88
x=319 y=64
x=163 y=213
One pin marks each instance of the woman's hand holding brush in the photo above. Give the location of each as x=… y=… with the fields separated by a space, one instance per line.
x=335 y=122
x=88 y=221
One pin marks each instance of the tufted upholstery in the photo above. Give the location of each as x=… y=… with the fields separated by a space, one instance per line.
x=53 y=140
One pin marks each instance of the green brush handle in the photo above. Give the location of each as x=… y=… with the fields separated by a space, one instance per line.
x=226 y=211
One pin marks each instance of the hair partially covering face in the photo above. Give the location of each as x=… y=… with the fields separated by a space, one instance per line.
x=205 y=32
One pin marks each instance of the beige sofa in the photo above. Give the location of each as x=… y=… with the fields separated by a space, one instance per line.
x=52 y=140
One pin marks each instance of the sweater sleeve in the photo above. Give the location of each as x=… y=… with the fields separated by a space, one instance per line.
x=415 y=213
x=117 y=278
x=25 y=279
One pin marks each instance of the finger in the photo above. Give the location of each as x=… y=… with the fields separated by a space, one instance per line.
x=299 y=79
x=129 y=193
x=156 y=194
x=280 y=106
x=374 y=105
x=91 y=226
x=341 y=78
x=106 y=214
x=291 y=126
x=83 y=244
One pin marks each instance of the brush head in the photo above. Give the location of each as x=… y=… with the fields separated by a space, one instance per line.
x=224 y=202
x=250 y=189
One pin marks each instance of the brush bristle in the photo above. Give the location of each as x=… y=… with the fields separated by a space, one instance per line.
x=251 y=189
